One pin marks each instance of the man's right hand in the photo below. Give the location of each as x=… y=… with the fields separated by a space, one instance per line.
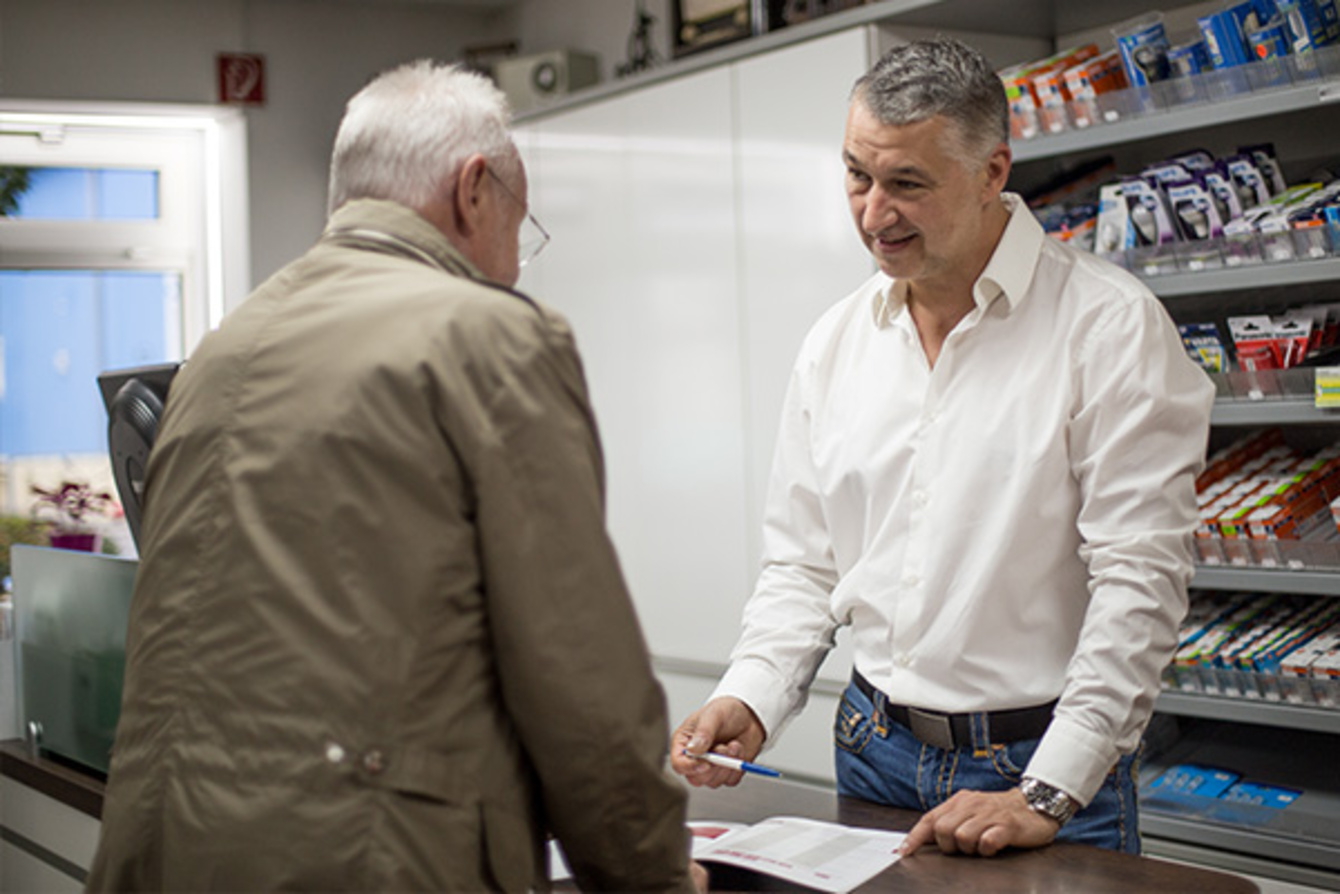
x=724 y=725
x=698 y=872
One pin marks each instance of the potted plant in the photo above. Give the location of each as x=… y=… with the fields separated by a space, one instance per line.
x=17 y=529
x=72 y=511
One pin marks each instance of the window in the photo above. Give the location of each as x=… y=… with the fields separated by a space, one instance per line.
x=123 y=237
x=86 y=194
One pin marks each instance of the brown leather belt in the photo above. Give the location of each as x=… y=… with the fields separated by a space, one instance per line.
x=949 y=731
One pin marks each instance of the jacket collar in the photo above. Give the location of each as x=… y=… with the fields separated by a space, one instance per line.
x=386 y=226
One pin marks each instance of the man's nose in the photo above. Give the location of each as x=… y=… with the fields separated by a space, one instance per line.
x=880 y=212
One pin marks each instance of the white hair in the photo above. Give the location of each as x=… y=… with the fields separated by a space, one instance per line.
x=413 y=127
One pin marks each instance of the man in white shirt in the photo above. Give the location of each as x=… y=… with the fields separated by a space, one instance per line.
x=986 y=470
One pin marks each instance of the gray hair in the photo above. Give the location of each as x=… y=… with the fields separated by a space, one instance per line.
x=939 y=76
x=412 y=127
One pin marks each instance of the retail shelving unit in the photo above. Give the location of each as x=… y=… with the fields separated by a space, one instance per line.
x=1289 y=745
x=1284 y=744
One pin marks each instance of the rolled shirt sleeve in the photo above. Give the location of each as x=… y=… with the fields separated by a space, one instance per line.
x=1137 y=442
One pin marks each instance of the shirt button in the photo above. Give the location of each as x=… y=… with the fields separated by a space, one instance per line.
x=920 y=498
x=335 y=753
x=903 y=660
x=911 y=580
x=374 y=762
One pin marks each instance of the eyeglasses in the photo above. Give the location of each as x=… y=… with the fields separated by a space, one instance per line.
x=533 y=237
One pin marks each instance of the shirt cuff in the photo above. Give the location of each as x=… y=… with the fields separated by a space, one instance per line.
x=761 y=688
x=1073 y=759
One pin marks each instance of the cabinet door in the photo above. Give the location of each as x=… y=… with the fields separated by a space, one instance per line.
x=638 y=192
x=799 y=247
x=699 y=228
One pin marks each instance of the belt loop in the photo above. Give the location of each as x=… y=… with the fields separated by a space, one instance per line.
x=882 y=721
x=980 y=724
x=878 y=700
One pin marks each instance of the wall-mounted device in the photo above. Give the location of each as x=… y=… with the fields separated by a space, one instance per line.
x=531 y=81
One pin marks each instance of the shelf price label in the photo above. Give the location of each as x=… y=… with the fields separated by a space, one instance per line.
x=1327 y=387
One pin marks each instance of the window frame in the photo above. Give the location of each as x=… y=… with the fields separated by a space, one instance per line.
x=202 y=231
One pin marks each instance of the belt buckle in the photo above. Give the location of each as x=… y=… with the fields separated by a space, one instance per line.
x=931 y=727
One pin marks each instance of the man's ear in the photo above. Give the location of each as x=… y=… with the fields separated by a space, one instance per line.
x=998 y=170
x=469 y=196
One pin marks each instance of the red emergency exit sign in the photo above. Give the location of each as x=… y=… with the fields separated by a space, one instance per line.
x=241 y=79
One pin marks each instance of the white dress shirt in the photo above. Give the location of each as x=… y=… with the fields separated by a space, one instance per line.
x=1010 y=526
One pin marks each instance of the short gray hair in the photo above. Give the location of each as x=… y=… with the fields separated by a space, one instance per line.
x=412 y=127
x=939 y=76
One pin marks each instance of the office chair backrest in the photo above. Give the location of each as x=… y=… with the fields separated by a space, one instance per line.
x=135 y=399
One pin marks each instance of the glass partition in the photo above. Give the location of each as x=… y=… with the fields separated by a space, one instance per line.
x=71 y=610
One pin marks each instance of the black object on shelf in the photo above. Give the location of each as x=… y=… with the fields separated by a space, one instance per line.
x=135 y=399
x=703 y=24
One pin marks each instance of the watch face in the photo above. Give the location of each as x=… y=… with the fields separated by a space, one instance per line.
x=1048 y=800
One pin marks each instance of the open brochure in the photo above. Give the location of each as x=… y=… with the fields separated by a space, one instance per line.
x=825 y=856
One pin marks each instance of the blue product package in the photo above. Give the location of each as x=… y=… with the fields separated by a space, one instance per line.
x=1265 y=9
x=1143 y=44
x=1332 y=216
x=1249 y=18
x=1272 y=796
x=1306 y=25
x=1205 y=347
x=1330 y=17
x=1189 y=58
x=1271 y=41
x=1223 y=40
x=1190 y=779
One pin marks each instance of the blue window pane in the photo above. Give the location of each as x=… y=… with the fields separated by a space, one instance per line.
x=139 y=319
x=127 y=195
x=60 y=329
x=90 y=194
x=56 y=194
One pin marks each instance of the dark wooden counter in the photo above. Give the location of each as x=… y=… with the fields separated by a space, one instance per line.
x=1058 y=869
x=73 y=786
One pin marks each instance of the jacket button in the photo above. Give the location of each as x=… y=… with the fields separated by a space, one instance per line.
x=374 y=762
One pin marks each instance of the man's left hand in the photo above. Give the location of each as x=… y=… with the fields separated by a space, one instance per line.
x=982 y=823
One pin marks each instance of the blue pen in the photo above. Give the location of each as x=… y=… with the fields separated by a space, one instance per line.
x=734 y=763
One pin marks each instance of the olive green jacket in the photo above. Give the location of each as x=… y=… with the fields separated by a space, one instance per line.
x=380 y=639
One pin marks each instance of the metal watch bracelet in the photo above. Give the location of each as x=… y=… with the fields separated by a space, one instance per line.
x=1048 y=800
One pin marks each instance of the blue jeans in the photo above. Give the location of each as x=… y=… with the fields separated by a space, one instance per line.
x=890 y=766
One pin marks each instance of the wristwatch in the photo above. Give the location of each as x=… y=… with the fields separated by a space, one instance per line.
x=1048 y=800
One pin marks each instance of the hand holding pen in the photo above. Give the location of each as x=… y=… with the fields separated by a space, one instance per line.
x=723 y=729
x=734 y=763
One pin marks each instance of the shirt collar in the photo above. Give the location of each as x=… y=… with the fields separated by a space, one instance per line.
x=1008 y=272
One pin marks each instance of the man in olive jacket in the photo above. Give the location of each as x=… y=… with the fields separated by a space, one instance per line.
x=380 y=639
